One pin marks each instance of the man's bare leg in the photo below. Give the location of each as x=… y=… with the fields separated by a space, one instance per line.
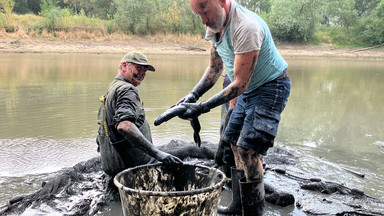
x=238 y=161
x=251 y=163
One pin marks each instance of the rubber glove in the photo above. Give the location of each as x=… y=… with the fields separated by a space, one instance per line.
x=194 y=110
x=192 y=97
x=167 y=159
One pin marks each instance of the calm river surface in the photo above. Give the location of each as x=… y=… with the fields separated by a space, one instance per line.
x=49 y=102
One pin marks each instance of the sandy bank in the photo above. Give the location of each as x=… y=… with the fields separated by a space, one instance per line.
x=167 y=48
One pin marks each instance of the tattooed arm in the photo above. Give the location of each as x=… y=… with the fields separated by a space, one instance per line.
x=211 y=75
x=244 y=66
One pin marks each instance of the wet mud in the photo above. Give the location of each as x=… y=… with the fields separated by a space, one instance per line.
x=86 y=190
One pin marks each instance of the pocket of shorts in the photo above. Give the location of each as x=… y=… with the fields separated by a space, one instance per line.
x=271 y=102
x=266 y=120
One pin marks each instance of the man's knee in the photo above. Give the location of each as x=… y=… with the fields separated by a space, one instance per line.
x=247 y=154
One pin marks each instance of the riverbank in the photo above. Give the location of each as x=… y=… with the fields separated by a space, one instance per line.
x=166 y=47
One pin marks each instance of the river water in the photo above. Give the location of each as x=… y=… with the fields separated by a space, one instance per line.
x=334 y=119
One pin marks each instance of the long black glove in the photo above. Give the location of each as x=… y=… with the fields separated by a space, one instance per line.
x=167 y=159
x=192 y=97
x=194 y=110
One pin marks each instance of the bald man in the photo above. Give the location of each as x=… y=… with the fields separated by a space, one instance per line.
x=241 y=41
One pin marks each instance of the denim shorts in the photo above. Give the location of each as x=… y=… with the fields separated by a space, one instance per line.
x=254 y=121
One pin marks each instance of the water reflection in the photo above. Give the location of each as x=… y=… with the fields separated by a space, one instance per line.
x=337 y=103
x=333 y=120
x=335 y=113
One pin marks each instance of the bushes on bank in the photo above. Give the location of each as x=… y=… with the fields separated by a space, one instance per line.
x=343 y=22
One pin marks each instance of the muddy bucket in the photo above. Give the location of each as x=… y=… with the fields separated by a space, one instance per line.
x=187 y=189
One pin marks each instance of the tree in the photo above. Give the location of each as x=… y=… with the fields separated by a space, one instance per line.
x=21 y=7
x=34 y=6
x=7 y=6
x=103 y=9
x=171 y=15
x=256 y=6
x=294 y=20
x=365 y=7
x=76 y=5
x=129 y=14
x=51 y=12
x=371 y=29
x=189 y=22
x=342 y=13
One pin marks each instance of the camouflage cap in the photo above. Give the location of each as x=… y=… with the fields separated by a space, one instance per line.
x=137 y=58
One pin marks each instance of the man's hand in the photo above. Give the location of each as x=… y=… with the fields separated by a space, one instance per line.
x=194 y=110
x=192 y=97
x=167 y=159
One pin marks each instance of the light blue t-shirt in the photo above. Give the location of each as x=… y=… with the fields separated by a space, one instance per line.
x=246 y=32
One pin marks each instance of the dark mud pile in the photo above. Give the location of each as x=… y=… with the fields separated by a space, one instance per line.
x=85 y=190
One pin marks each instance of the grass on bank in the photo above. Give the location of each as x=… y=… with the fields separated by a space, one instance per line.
x=78 y=27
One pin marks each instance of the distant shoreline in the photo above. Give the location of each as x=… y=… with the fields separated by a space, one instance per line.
x=12 y=45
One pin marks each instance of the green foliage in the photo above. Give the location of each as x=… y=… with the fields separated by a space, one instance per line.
x=110 y=26
x=379 y=11
x=76 y=5
x=321 y=36
x=342 y=13
x=365 y=7
x=34 y=6
x=91 y=8
x=190 y=23
x=27 y=6
x=2 y=20
x=65 y=19
x=51 y=18
x=7 y=6
x=47 y=5
x=371 y=30
x=150 y=16
x=51 y=13
x=256 y=6
x=102 y=8
x=21 y=7
x=340 y=36
x=130 y=14
x=294 y=20
x=171 y=15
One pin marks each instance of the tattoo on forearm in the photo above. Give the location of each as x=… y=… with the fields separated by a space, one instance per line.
x=215 y=69
x=217 y=62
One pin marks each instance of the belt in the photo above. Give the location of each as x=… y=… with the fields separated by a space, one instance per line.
x=282 y=76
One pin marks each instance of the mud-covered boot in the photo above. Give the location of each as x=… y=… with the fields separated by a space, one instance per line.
x=252 y=197
x=235 y=207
